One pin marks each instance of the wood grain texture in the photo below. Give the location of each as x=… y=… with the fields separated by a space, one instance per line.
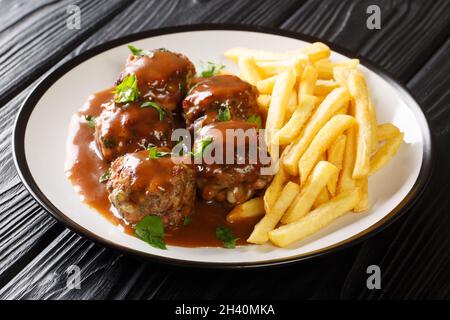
x=413 y=253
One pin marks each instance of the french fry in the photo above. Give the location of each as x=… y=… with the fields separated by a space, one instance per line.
x=265 y=86
x=292 y=104
x=263 y=101
x=307 y=82
x=278 y=103
x=373 y=126
x=274 y=189
x=249 y=209
x=385 y=153
x=261 y=231
x=321 y=142
x=341 y=74
x=296 y=122
x=324 y=87
x=387 y=131
x=332 y=103
x=309 y=193
x=315 y=220
x=336 y=157
x=358 y=90
x=363 y=203
x=270 y=68
x=248 y=69
x=325 y=67
x=323 y=197
x=317 y=51
x=346 y=181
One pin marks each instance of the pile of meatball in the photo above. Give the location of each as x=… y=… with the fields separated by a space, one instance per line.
x=140 y=185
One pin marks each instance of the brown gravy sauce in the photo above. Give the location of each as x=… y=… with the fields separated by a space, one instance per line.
x=84 y=166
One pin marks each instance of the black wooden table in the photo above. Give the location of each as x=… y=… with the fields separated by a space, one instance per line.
x=413 y=254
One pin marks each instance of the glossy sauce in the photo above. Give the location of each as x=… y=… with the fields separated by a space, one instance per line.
x=84 y=166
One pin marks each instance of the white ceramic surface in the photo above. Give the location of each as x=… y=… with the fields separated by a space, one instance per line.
x=46 y=133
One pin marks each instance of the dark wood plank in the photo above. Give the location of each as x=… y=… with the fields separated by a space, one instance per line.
x=41 y=39
x=411 y=31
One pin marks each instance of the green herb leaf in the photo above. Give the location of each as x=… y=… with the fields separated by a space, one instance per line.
x=224 y=113
x=151 y=230
x=90 y=120
x=226 y=235
x=210 y=69
x=203 y=144
x=153 y=153
x=255 y=119
x=187 y=220
x=157 y=107
x=140 y=52
x=127 y=90
x=105 y=176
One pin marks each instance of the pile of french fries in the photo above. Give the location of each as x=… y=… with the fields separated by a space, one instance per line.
x=320 y=117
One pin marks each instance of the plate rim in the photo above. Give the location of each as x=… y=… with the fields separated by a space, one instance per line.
x=27 y=107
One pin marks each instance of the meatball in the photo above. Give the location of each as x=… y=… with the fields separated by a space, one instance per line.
x=162 y=76
x=209 y=97
x=232 y=181
x=125 y=128
x=139 y=186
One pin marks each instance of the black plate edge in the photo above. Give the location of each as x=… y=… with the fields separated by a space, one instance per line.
x=27 y=179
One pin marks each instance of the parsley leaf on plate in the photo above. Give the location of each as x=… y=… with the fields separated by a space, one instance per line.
x=157 y=107
x=90 y=120
x=127 y=90
x=226 y=235
x=224 y=113
x=151 y=230
x=105 y=176
x=210 y=69
x=153 y=153
x=205 y=142
x=187 y=220
x=140 y=52
x=255 y=119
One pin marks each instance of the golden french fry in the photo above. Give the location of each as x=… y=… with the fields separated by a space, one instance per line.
x=292 y=104
x=270 y=68
x=261 y=231
x=317 y=51
x=324 y=87
x=263 y=101
x=336 y=157
x=309 y=193
x=321 y=142
x=265 y=86
x=385 y=153
x=387 y=131
x=346 y=181
x=248 y=69
x=307 y=82
x=363 y=203
x=358 y=89
x=249 y=209
x=278 y=103
x=298 y=119
x=274 y=189
x=332 y=103
x=341 y=74
x=325 y=67
x=373 y=126
x=315 y=220
x=323 y=197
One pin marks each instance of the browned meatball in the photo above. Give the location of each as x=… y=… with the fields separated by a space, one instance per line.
x=162 y=76
x=139 y=186
x=207 y=98
x=123 y=128
x=233 y=182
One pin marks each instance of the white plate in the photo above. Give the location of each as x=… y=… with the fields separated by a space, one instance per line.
x=41 y=131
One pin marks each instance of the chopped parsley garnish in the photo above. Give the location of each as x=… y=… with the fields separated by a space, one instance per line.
x=205 y=142
x=255 y=119
x=210 y=69
x=187 y=220
x=90 y=120
x=151 y=230
x=140 y=52
x=224 y=113
x=226 y=235
x=105 y=176
x=157 y=107
x=153 y=153
x=127 y=90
